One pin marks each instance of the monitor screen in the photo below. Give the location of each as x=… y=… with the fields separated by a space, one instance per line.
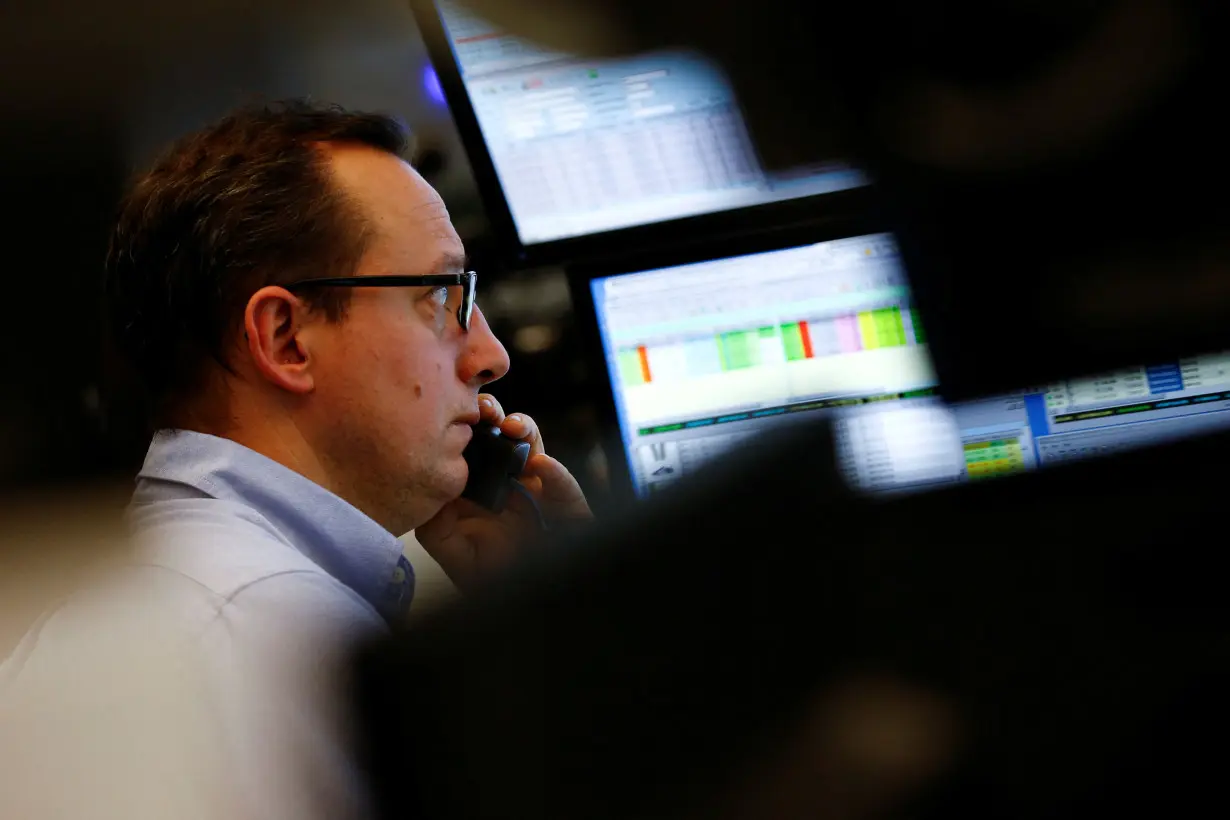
x=583 y=146
x=704 y=357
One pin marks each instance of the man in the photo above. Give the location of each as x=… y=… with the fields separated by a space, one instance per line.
x=295 y=298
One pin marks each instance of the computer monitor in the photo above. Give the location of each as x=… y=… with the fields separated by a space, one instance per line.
x=566 y=148
x=704 y=357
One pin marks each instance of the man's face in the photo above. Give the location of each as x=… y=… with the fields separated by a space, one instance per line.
x=397 y=380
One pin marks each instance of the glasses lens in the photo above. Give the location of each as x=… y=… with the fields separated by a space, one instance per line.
x=467 y=300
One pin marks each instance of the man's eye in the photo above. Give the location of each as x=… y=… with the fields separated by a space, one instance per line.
x=440 y=295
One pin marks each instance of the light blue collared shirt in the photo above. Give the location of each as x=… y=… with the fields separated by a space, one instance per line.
x=268 y=580
x=193 y=484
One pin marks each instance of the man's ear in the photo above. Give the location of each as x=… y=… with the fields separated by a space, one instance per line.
x=273 y=325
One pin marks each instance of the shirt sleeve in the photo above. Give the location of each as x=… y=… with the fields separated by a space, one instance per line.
x=277 y=655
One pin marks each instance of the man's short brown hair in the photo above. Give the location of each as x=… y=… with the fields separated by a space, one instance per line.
x=244 y=203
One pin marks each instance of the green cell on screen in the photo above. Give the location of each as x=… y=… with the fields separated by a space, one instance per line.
x=792 y=341
x=630 y=367
x=739 y=349
x=920 y=335
x=889 y=330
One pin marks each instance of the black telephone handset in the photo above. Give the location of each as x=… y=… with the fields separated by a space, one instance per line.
x=495 y=462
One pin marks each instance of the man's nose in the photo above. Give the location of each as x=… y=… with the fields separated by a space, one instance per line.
x=483 y=359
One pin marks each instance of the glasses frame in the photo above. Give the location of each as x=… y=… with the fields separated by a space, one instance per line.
x=467 y=280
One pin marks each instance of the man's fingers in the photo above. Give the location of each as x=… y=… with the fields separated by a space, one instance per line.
x=523 y=428
x=439 y=538
x=489 y=410
x=532 y=483
x=555 y=480
x=560 y=488
x=439 y=526
x=450 y=522
x=472 y=509
x=491 y=546
x=468 y=541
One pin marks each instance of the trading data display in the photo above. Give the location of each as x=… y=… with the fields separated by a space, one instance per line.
x=705 y=357
x=583 y=146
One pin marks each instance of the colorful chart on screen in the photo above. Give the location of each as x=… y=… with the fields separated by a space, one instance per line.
x=704 y=357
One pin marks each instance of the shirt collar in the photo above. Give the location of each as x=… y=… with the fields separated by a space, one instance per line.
x=328 y=530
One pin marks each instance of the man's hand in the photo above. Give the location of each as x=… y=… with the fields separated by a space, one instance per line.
x=469 y=541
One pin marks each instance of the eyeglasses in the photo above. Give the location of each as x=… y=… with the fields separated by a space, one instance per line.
x=467 y=281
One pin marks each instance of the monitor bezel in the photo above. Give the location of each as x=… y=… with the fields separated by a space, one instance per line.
x=581 y=274
x=745 y=221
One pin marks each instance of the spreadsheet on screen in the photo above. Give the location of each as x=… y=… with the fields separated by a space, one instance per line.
x=583 y=146
x=704 y=357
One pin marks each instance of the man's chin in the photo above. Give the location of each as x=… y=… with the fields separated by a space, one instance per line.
x=453 y=482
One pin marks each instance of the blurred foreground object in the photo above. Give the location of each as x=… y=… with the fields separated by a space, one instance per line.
x=1049 y=163
x=799 y=651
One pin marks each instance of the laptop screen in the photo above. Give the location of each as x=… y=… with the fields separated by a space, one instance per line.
x=704 y=357
x=583 y=146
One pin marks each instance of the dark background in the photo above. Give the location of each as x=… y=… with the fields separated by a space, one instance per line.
x=90 y=92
